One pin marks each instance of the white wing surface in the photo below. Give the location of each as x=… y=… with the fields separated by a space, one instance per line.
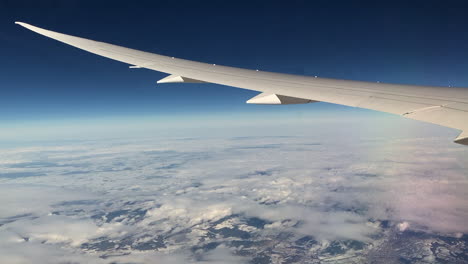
x=446 y=106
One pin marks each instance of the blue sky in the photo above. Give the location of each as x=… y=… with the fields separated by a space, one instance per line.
x=46 y=81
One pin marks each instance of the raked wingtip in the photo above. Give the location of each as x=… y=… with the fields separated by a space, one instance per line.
x=33 y=28
x=25 y=25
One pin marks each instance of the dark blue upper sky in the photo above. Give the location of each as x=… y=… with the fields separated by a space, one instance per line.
x=422 y=42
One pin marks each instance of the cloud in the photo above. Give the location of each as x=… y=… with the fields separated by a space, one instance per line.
x=35 y=199
x=219 y=200
x=403 y=226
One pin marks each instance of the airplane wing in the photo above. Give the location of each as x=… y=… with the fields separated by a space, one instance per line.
x=446 y=106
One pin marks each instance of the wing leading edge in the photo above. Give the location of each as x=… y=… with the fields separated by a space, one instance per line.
x=446 y=106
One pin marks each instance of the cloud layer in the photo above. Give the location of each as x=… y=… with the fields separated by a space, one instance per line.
x=230 y=199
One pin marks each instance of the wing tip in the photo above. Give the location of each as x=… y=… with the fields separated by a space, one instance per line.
x=30 y=27
x=25 y=25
